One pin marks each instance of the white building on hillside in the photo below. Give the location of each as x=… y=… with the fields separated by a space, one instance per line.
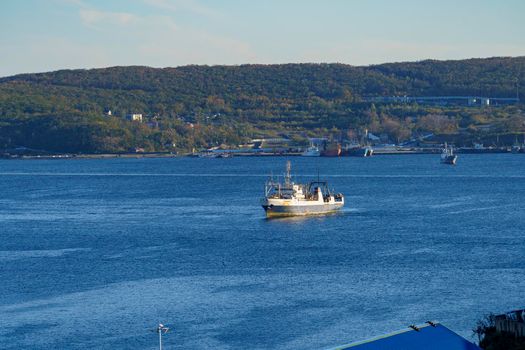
x=134 y=117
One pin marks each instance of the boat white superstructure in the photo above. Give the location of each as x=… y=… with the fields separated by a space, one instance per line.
x=448 y=156
x=312 y=151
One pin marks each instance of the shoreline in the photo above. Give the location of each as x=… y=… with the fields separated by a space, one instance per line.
x=377 y=152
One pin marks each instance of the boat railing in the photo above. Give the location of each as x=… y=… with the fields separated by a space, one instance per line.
x=274 y=189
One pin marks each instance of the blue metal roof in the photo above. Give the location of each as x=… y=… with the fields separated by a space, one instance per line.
x=428 y=337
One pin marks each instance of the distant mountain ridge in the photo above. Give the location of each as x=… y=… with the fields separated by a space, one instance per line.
x=483 y=76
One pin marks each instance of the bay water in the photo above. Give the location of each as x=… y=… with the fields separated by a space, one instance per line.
x=94 y=253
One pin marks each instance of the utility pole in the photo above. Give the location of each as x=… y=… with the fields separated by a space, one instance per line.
x=517 y=89
x=161 y=329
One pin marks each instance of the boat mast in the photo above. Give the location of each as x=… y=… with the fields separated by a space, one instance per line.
x=288 y=178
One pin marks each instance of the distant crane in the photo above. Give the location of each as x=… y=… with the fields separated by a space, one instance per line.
x=161 y=329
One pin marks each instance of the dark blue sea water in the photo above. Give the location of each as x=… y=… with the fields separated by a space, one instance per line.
x=95 y=253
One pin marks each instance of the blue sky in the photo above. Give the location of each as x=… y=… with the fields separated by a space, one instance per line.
x=44 y=35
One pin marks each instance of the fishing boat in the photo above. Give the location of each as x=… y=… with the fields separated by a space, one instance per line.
x=448 y=156
x=294 y=199
x=517 y=147
x=214 y=154
x=208 y=154
x=312 y=151
x=225 y=155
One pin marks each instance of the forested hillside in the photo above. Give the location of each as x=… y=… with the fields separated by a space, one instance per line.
x=202 y=106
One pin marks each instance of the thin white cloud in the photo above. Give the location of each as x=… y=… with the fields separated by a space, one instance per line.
x=164 y=43
x=91 y=17
x=150 y=40
x=158 y=40
x=192 y=6
x=78 y=3
x=162 y=4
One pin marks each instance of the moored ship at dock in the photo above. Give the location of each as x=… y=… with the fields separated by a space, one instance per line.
x=331 y=149
x=312 y=151
x=293 y=199
x=357 y=151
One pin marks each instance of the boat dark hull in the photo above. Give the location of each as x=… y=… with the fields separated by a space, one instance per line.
x=331 y=153
x=357 y=152
x=450 y=160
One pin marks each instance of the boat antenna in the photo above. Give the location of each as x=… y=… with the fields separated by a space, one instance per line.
x=288 y=173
